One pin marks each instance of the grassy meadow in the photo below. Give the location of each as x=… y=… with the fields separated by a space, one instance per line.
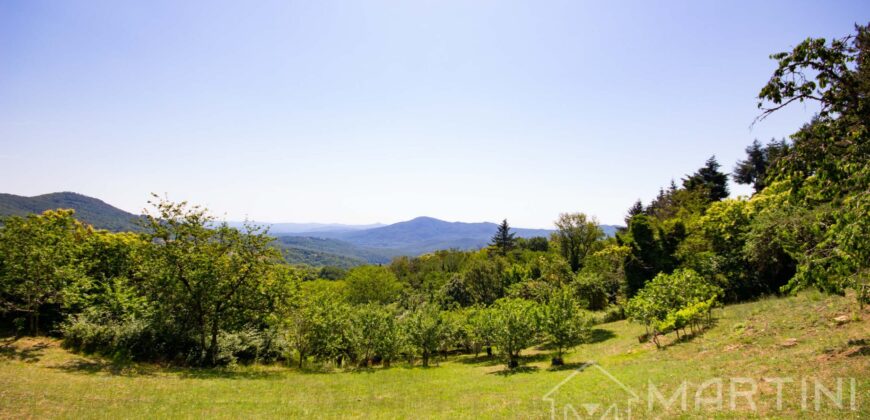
x=797 y=337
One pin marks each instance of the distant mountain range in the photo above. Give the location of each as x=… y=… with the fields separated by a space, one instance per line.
x=278 y=229
x=316 y=244
x=413 y=237
x=422 y=235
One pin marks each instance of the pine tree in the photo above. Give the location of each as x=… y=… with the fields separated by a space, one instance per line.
x=709 y=178
x=759 y=159
x=503 y=241
x=634 y=210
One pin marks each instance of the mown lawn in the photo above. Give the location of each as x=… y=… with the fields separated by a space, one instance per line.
x=794 y=338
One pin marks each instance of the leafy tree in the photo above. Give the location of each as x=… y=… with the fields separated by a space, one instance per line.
x=371 y=283
x=40 y=263
x=537 y=244
x=482 y=281
x=825 y=169
x=577 y=236
x=516 y=323
x=710 y=180
x=425 y=330
x=721 y=235
x=368 y=326
x=503 y=241
x=391 y=339
x=204 y=275
x=552 y=270
x=331 y=273
x=321 y=327
x=564 y=323
x=302 y=330
x=592 y=290
x=483 y=324
x=659 y=304
x=608 y=264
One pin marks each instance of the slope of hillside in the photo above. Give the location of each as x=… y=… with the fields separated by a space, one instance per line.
x=781 y=339
x=322 y=251
x=89 y=210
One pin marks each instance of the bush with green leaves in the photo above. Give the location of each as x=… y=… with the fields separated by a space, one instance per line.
x=515 y=327
x=482 y=322
x=122 y=339
x=372 y=284
x=671 y=302
x=591 y=289
x=321 y=327
x=424 y=328
x=564 y=323
x=375 y=333
x=41 y=264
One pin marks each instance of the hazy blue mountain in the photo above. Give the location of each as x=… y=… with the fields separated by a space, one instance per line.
x=89 y=210
x=302 y=229
x=610 y=230
x=426 y=234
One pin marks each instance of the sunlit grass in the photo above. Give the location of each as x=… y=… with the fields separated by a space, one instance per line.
x=39 y=379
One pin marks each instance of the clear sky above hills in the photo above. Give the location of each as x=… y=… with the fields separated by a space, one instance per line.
x=361 y=112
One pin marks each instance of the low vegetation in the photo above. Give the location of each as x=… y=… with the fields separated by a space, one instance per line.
x=40 y=379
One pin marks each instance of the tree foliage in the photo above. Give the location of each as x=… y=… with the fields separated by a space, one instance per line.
x=40 y=263
x=576 y=237
x=503 y=241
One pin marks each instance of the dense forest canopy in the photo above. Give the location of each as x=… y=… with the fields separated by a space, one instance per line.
x=186 y=289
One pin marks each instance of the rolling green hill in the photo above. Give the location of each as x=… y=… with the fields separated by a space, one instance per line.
x=321 y=251
x=88 y=209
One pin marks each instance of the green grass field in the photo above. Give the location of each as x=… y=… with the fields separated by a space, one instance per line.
x=797 y=338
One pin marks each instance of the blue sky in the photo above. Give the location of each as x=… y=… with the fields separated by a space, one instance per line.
x=361 y=112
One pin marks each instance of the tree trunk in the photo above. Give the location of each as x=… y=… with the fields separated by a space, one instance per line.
x=386 y=363
x=558 y=361
x=425 y=359
x=33 y=328
x=202 y=335
x=211 y=355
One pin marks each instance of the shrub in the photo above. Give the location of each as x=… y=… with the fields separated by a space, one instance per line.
x=515 y=322
x=671 y=302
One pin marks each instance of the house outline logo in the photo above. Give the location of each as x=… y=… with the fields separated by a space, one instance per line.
x=591 y=408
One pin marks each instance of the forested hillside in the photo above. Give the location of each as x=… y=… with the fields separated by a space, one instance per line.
x=89 y=210
x=331 y=252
